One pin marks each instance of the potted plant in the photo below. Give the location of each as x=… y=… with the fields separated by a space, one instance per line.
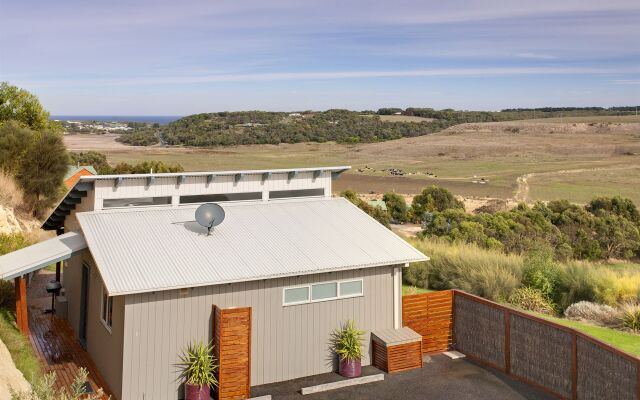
x=348 y=346
x=198 y=368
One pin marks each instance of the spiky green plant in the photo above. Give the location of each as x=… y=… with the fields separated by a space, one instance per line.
x=630 y=316
x=198 y=364
x=348 y=341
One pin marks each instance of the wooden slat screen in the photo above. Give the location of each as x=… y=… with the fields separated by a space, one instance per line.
x=232 y=349
x=430 y=315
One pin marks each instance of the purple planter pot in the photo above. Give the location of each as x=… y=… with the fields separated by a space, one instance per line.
x=196 y=392
x=350 y=368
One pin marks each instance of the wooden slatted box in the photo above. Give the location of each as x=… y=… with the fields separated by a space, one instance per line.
x=396 y=350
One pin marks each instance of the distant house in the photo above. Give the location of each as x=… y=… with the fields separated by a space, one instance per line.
x=143 y=279
x=74 y=172
x=378 y=203
x=397 y=113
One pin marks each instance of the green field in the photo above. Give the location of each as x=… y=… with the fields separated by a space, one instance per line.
x=576 y=161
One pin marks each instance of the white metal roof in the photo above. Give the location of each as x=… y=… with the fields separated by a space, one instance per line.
x=89 y=178
x=142 y=250
x=40 y=255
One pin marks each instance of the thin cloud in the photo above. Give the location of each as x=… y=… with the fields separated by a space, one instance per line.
x=627 y=81
x=536 y=56
x=331 y=75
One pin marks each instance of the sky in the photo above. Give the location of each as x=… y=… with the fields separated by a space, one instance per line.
x=158 y=57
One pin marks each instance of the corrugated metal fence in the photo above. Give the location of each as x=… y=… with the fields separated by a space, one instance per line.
x=555 y=358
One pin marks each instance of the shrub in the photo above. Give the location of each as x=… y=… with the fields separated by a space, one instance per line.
x=531 y=299
x=467 y=267
x=575 y=283
x=7 y=295
x=432 y=199
x=43 y=389
x=396 y=205
x=594 y=312
x=541 y=272
x=630 y=316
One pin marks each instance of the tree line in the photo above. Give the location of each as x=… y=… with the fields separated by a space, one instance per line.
x=605 y=228
x=342 y=126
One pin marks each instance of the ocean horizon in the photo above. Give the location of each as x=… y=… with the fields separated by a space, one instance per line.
x=160 y=119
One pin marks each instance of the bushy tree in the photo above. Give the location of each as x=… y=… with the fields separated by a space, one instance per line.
x=396 y=206
x=94 y=158
x=14 y=142
x=19 y=105
x=146 y=167
x=42 y=170
x=377 y=213
x=433 y=199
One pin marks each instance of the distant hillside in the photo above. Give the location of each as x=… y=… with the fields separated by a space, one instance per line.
x=342 y=126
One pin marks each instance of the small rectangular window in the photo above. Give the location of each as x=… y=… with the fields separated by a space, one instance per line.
x=136 y=202
x=296 y=295
x=218 y=197
x=315 y=292
x=283 y=194
x=106 y=314
x=351 y=288
x=323 y=291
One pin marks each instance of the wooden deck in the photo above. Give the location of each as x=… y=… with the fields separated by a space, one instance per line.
x=55 y=343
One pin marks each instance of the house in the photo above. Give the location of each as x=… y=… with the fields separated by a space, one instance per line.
x=377 y=203
x=142 y=278
x=74 y=172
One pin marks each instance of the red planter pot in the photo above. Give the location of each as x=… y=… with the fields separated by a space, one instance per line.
x=350 y=368
x=196 y=392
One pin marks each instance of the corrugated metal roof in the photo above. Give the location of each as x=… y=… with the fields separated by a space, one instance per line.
x=40 y=255
x=142 y=250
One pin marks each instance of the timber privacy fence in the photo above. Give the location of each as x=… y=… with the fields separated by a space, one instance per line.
x=552 y=357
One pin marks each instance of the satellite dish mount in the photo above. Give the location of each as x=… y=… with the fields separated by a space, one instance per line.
x=209 y=215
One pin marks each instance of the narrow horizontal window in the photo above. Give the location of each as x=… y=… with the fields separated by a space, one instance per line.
x=136 y=202
x=218 y=197
x=283 y=194
x=296 y=295
x=323 y=291
x=351 y=288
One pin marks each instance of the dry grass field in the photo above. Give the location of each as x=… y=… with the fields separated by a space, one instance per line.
x=526 y=160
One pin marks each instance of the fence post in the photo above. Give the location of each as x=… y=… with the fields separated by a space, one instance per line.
x=638 y=379
x=507 y=341
x=574 y=366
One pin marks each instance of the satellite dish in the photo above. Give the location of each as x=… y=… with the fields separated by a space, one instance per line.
x=209 y=215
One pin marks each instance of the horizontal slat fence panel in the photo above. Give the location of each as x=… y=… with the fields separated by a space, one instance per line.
x=430 y=315
x=232 y=349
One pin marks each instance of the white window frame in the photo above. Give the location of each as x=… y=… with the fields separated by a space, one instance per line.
x=103 y=318
x=310 y=287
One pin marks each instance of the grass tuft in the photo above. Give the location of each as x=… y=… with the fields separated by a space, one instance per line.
x=19 y=347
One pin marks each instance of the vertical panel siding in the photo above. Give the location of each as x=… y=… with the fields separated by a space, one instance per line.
x=106 y=348
x=287 y=342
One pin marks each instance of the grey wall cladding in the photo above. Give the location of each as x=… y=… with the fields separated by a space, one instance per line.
x=479 y=330
x=541 y=353
x=603 y=374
